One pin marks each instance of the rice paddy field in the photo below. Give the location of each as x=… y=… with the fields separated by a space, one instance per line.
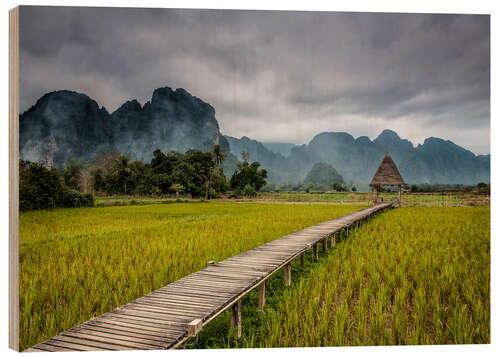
x=412 y=275
x=81 y=262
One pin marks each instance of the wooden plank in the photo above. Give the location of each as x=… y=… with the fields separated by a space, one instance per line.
x=141 y=326
x=177 y=292
x=167 y=308
x=165 y=320
x=48 y=348
x=88 y=336
x=169 y=305
x=215 y=290
x=127 y=331
x=67 y=345
x=170 y=313
x=88 y=343
x=237 y=276
x=131 y=318
x=223 y=270
x=96 y=331
x=202 y=288
x=34 y=349
x=221 y=281
x=180 y=301
x=265 y=267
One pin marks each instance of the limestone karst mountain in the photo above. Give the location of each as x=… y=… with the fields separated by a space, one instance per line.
x=65 y=125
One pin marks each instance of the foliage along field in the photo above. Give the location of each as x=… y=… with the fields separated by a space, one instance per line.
x=82 y=262
x=411 y=276
x=408 y=199
x=356 y=198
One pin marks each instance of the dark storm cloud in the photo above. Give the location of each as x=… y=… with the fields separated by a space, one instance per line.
x=275 y=76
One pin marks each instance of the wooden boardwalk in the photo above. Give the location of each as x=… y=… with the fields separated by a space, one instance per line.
x=169 y=316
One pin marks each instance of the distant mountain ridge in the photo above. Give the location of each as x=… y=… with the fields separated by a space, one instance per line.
x=434 y=161
x=280 y=148
x=66 y=125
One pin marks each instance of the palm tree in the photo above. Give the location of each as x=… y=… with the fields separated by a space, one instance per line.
x=218 y=155
x=245 y=155
x=122 y=170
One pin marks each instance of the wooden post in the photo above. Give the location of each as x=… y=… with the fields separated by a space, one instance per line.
x=194 y=327
x=288 y=274
x=325 y=248
x=262 y=295
x=303 y=260
x=332 y=243
x=315 y=251
x=236 y=316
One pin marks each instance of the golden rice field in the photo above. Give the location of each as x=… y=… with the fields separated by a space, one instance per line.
x=82 y=262
x=416 y=275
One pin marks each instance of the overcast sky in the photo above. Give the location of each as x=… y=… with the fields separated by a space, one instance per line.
x=274 y=76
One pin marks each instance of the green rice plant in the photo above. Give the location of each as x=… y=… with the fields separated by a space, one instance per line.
x=82 y=262
x=416 y=275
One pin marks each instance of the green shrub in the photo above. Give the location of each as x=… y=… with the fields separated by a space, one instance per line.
x=73 y=198
x=41 y=188
x=249 y=191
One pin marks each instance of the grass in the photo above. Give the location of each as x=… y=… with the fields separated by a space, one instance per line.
x=82 y=262
x=411 y=276
x=408 y=199
x=124 y=200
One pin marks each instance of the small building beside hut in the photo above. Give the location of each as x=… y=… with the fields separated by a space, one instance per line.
x=387 y=175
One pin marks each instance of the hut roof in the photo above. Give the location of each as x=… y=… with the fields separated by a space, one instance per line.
x=387 y=174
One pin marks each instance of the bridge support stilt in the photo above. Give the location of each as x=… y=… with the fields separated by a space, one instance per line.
x=315 y=251
x=325 y=247
x=236 y=317
x=332 y=243
x=288 y=274
x=303 y=260
x=262 y=295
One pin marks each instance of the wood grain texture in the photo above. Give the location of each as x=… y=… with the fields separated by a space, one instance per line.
x=14 y=178
x=169 y=316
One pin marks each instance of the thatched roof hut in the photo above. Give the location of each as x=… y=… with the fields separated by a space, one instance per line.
x=387 y=174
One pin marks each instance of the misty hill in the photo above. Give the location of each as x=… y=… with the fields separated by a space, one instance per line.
x=279 y=148
x=274 y=163
x=434 y=161
x=63 y=125
x=66 y=125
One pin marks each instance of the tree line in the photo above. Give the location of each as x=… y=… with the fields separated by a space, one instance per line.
x=194 y=173
x=321 y=177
